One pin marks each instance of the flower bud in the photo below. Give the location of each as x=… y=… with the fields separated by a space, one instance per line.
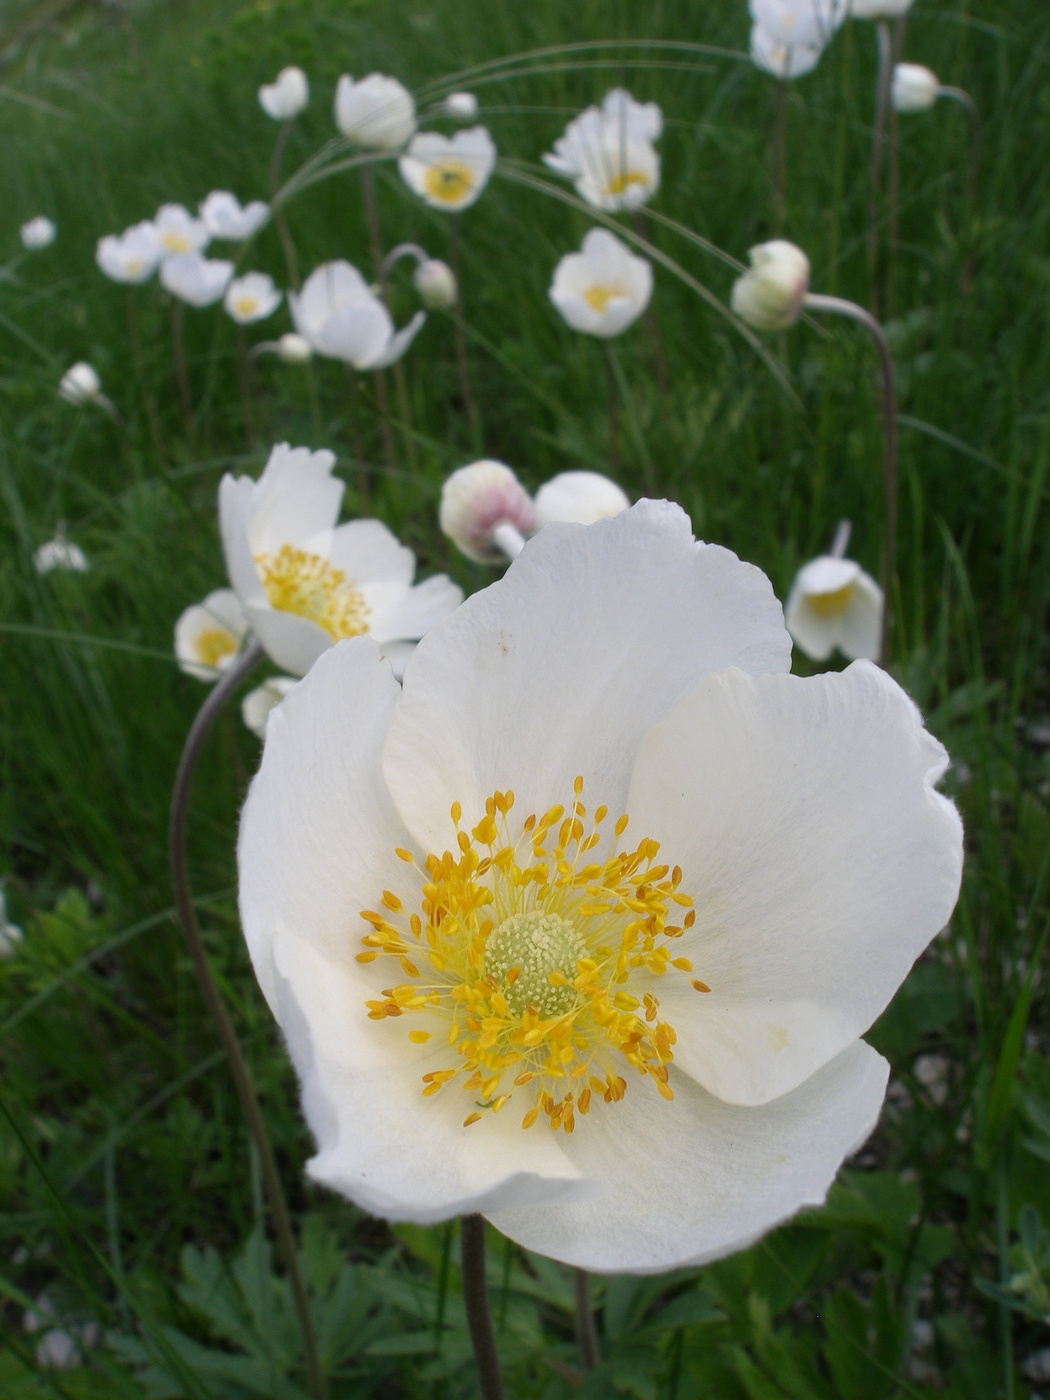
x=436 y=284
x=461 y=105
x=915 y=88
x=769 y=295
x=37 y=233
x=580 y=498
x=80 y=384
x=285 y=98
x=478 y=498
x=294 y=349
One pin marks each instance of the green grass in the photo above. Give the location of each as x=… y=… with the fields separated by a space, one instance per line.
x=123 y=1156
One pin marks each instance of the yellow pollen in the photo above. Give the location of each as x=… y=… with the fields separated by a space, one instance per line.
x=619 y=184
x=534 y=959
x=175 y=242
x=214 y=644
x=448 y=180
x=832 y=604
x=308 y=585
x=600 y=294
x=244 y=306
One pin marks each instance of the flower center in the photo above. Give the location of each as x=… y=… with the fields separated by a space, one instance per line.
x=308 y=585
x=599 y=294
x=245 y=306
x=619 y=184
x=533 y=962
x=175 y=242
x=134 y=266
x=831 y=604
x=448 y=180
x=214 y=644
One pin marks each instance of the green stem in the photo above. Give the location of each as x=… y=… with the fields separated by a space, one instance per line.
x=476 y=1302
x=287 y=246
x=586 y=1332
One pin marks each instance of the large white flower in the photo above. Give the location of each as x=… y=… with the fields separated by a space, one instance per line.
x=613 y=872
x=341 y=316
x=305 y=582
x=834 y=603
x=603 y=288
x=376 y=111
x=608 y=152
x=449 y=172
x=194 y=279
x=131 y=256
x=178 y=231
x=224 y=218
x=209 y=635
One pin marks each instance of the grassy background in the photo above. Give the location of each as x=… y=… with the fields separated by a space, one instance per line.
x=121 y=1144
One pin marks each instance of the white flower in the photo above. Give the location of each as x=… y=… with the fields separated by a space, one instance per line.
x=131 y=256
x=305 y=582
x=914 y=88
x=294 y=349
x=38 y=233
x=61 y=554
x=806 y=23
x=602 y=289
x=461 y=105
x=80 y=383
x=486 y=512
x=769 y=295
x=284 y=99
x=772 y=55
x=196 y=280
x=257 y=704
x=341 y=316
x=579 y=498
x=376 y=112
x=435 y=282
x=10 y=934
x=834 y=603
x=178 y=231
x=449 y=172
x=608 y=152
x=680 y=990
x=251 y=298
x=209 y=635
x=224 y=218
x=879 y=9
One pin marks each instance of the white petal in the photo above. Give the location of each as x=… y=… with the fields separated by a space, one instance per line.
x=416 y=610
x=293 y=642
x=860 y=633
x=696 y=1179
x=296 y=499
x=398 y=343
x=368 y=552
x=822 y=862
x=358 y=333
x=236 y=495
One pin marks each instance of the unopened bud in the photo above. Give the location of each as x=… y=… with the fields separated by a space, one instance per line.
x=80 y=383
x=915 y=88
x=461 y=105
x=436 y=284
x=580 y=498
x=294 y=349
x=477 y=499
x=769 y=295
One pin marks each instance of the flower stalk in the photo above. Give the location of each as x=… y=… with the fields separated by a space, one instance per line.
x=586 y=1332
x=382 y=398
x=135 y=340
x=882 y=108
x=469 y=406
x=277 y=209
x=178 y=350
x=476 y=1302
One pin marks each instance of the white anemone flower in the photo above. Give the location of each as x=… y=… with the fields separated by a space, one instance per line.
x=80 y=384
x=615 y=874
x=603 y=288
x=60 y=554
x=879 y=9
x=251 y=298
x=809 y=23
x=608 y=152
x=463 y=106
x=579 y=498
x=258 y=703
x=286 y=97
x=209 y=635
x=449 y=172
x=342 y=316
x=303 y=581
x=486 y=512
x=224 y=218
x=131 y=256
x=377 y=112
x=195 y=280
x=914 y=88
x=38 y=233
x=769 y=295
x=834 y=603
x=783 y=60
x=178 y=231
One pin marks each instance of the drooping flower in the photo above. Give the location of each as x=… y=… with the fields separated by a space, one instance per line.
x=914 y=88
x=258 y=703
x=224 y=218
x=80 y=384
x=449 y=172
x=782 y=60
x=251 y=298
x=486 y=512
x=805 y=23
x=615 y=874
x=603 y=288
x=461 y=105
x=303 y=581
x=834 y=603
x=60 y=554
x=286 y=97
x=178 y=231
x=377 y=112
x=38 y=233
x=608 y=152
x=342 y=316
x=769 y=295
x=209 y=635
x=579 y=498
x=435 y=282
x=196 y=280
x=131 y=256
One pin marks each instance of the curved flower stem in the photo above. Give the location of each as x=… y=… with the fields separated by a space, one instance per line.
x=465 y=394
x=282 y=1227
x=882 y=106
x=838 y=306
x=840 y=543
x=586 y=1332
x=287 y=246
x=476 y=1302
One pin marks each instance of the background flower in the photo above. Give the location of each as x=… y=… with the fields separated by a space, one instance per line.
x=131 y=256
x=257 y=704
x=580 y=498
x=377 y=111
x=478 y=498
x=783 y=60
x=287 y=96
x=341 y=316
x=769 y=294
x=604 y=288
x=196 y=280
x=834 y=603
x=252 y=298
x=914 y=88
x=608 y=152
x=178 y=231
x=449 y=172
x=38 y=233
x=224 y=218
x=80 y=384
x=209 y=635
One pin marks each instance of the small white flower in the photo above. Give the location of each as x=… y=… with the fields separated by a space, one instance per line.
x=834 y=603
x=449 y=172
x=10 y=934
x=80 y=384
x=806 y=23
x=341 y=316
x=294 y=349
x=257 y=704
x=38 y=233
x=209 y=635
x=914 y=88
x=224 y=218
x=461 y=105
x=61 y=554
x=304 y=582
x=284 y=99
x=769 y=295
x=251 y=298
x=879 y=9
x=377 y=112
x=131 y=256
x=196 y=280
x=579 y=498
x=608 y=152
x=435 y=282
x=178 y=231
x=772 y=55
x=486 y=512
x=602 y=289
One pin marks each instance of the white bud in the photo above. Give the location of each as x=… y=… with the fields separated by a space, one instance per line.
x=80 y=383
x=769 y=295
x=461 y=105
x=477 y=499
x=377 y=112
x=294 y=349
x=285 y=98
x=580 y=498
x=436 y=284
x=38 y=233
x=879 y=9
x=915 y=88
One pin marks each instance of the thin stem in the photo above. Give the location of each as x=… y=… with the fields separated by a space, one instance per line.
x=627 y=398
x=612 y=397
x=364 y=475
x=277 y=209
x=882 y=106
x=586 y=1332
x=461 y=341
x=382 y=399
x=195 y=740
x=838 y=306
x=778 y=153
x=476 y=1302
x=649 y=321
x=178 y=350
x=402 y=250
x=244 y=378
x=508 y=538
x=135 y=341
x=840 y=543
x=957 y=94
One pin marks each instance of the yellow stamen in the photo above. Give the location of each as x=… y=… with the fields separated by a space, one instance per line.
x=449 y=180
x=175 y=242
x=600 y=294
x=307 y=585
x=214 y=644
x=618 y=184
x=831 y=604
x=245 y=306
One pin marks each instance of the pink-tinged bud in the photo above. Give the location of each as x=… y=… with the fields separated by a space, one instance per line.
x=476 y=501
x=769 y=295
x=436 y=284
